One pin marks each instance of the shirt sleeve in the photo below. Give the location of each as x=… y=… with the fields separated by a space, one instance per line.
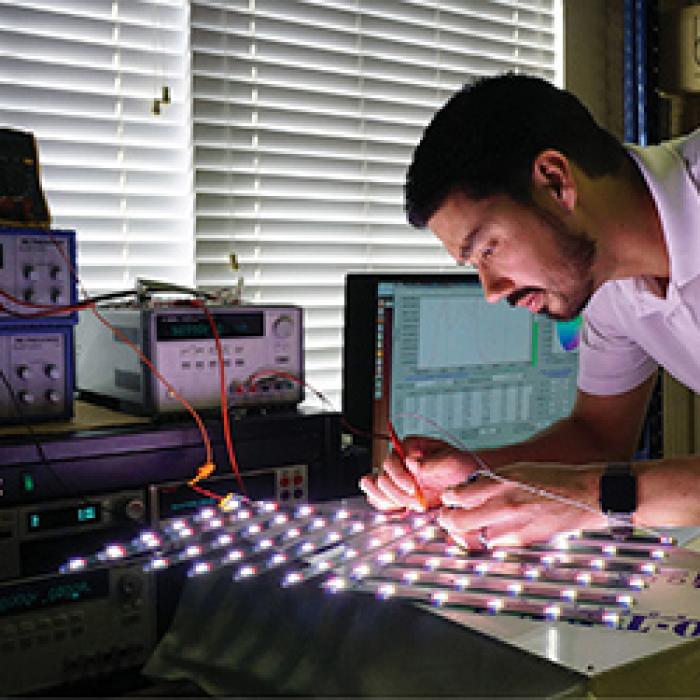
x=609 y=361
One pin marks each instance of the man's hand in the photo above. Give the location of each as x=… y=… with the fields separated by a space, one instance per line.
x=508 y=515
x=432 y=464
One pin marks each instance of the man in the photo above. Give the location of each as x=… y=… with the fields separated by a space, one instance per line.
x=516 y=179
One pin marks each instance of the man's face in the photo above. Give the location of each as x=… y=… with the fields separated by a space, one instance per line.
x=525 y=254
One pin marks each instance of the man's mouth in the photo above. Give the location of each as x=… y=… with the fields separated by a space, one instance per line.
x=532 y=298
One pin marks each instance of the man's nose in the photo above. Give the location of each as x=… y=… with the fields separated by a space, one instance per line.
x=495 y=287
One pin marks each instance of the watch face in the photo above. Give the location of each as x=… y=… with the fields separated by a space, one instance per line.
x=618 y=493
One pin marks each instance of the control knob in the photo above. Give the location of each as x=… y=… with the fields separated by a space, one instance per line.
x=283 y=327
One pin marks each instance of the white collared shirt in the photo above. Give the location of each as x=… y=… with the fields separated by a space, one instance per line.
x=629 y=331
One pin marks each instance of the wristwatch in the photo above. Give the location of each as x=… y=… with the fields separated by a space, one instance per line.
x=618 y=496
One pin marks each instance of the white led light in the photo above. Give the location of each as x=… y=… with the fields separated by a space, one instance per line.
x=280 y=519
x=440 y=597
x=361 y=571
x=532 y=573
x=114 y=551
x=233 y=556
x=216 y=523
x=495 y=605
x=224 y=540
x=76 y=564
x=267 y=506
x=452 y=550
x=304 y=511
x=666 y=540
x=386 y=590
x=625 y=599
x=432 y=563
x=407 y=546
x=462 y=582
x=547 y=559
x=357 y=526
x=374 y=543
x=399 y=531
x=350 y=553
x=380 y=518
x=611 y=618
x=318 y=523
x=636 y=582
x=569 y=594
x=292 y=533
x=500 y=555
x=206 y=514
x=306 y=548
x=149 y=539
x=411 y=576
x=385 y=557
x=610 y=549
x=658 y=554
x=597 y=564
x=277 y=559
x=201 y=567
x=158 y=563
x=418 y=522
x=337 y=583
x=342 y=514
x=481 y=567
x=244 y=514
x=648 y=567
x=552 y=612
x=253 y=529
x=185 y=532
x=265 y=544
x=515 y=588
x=428 y=533
x=291 y=578
x=583 y=577
x=194 y=550
x=178 y=524
x=323 y=566
x=333 y=536
x=246 y=571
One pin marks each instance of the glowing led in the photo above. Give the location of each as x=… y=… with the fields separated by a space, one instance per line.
x=597 y=564
x=292 y=533
x=500 y=554
x=216 y=523
x=625 y=599
x=277 y=559
x=636 y=582
x=432 y=563
x=158 y=563
x=495 y=605
x=244 y=514
x=462 y=582
x=306 y=548
x=428 y=533
x=233 y=555
x=386 y=590
x=610 y=549
x=532 y=573
x=323 y=565
x=611 y=618
x=399 y=531
x=547 y=559
x=342 y=514
x=552 y=612
x=648 y=567
x=583 y=577
x=385 y=557
x=333 y=536
x=666 y=540
x=178 y=524
x=481 y=567
x=452 y=550
x=76 y=564
x=206 y=514
x=265 y=543
x=658 y=554
x=335 y=584
x=380 y=518
x=201 y=567
x=407 y=546
x=224 y=540
x=253 y=529
x=440 y=597
x=317 y=523
x=291 y=578
x=194 y=550
x=304 y=511
x=361 y=571
x=114 y=551
x=246 y=571
x=569 y=594
x=418 y=522
x=280 y=519
x=357 y=527
x=411 y=576
x=149 y=539
x=267 y=506
x=374 y=543
x=185 y=532
x=350 y=553
x=515 y=588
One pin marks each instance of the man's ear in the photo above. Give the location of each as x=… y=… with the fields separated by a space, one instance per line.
x=552 y=175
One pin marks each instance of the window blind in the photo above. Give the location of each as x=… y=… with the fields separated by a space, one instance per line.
x=305 y=116
x=82 y=76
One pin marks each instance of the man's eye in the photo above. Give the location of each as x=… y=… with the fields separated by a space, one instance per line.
x=486 y=252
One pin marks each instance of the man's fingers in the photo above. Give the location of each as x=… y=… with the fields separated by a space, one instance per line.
x=471 y=495
x=377 y=498
x=400 y=477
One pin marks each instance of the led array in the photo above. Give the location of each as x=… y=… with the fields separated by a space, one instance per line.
x=578 y=576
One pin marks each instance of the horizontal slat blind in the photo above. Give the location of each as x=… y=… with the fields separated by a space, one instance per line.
x=305 y=116
x=82 y=76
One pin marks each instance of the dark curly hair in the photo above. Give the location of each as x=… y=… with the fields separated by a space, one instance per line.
x=484 y=140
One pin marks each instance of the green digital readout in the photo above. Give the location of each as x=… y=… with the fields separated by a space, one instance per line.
x=77 y=515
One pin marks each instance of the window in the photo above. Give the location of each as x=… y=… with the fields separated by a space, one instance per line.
x=82 y=76
x=305 y=116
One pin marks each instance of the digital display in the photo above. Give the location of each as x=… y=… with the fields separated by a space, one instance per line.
x=83 y=514
x=23 y=597
x=231 y=325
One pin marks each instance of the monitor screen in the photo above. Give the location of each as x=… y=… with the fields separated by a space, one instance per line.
x=429 y=352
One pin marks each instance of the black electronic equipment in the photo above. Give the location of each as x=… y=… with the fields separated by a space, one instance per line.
x=429 y=352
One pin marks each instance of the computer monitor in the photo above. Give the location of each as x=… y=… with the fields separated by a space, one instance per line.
x=429 y=352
